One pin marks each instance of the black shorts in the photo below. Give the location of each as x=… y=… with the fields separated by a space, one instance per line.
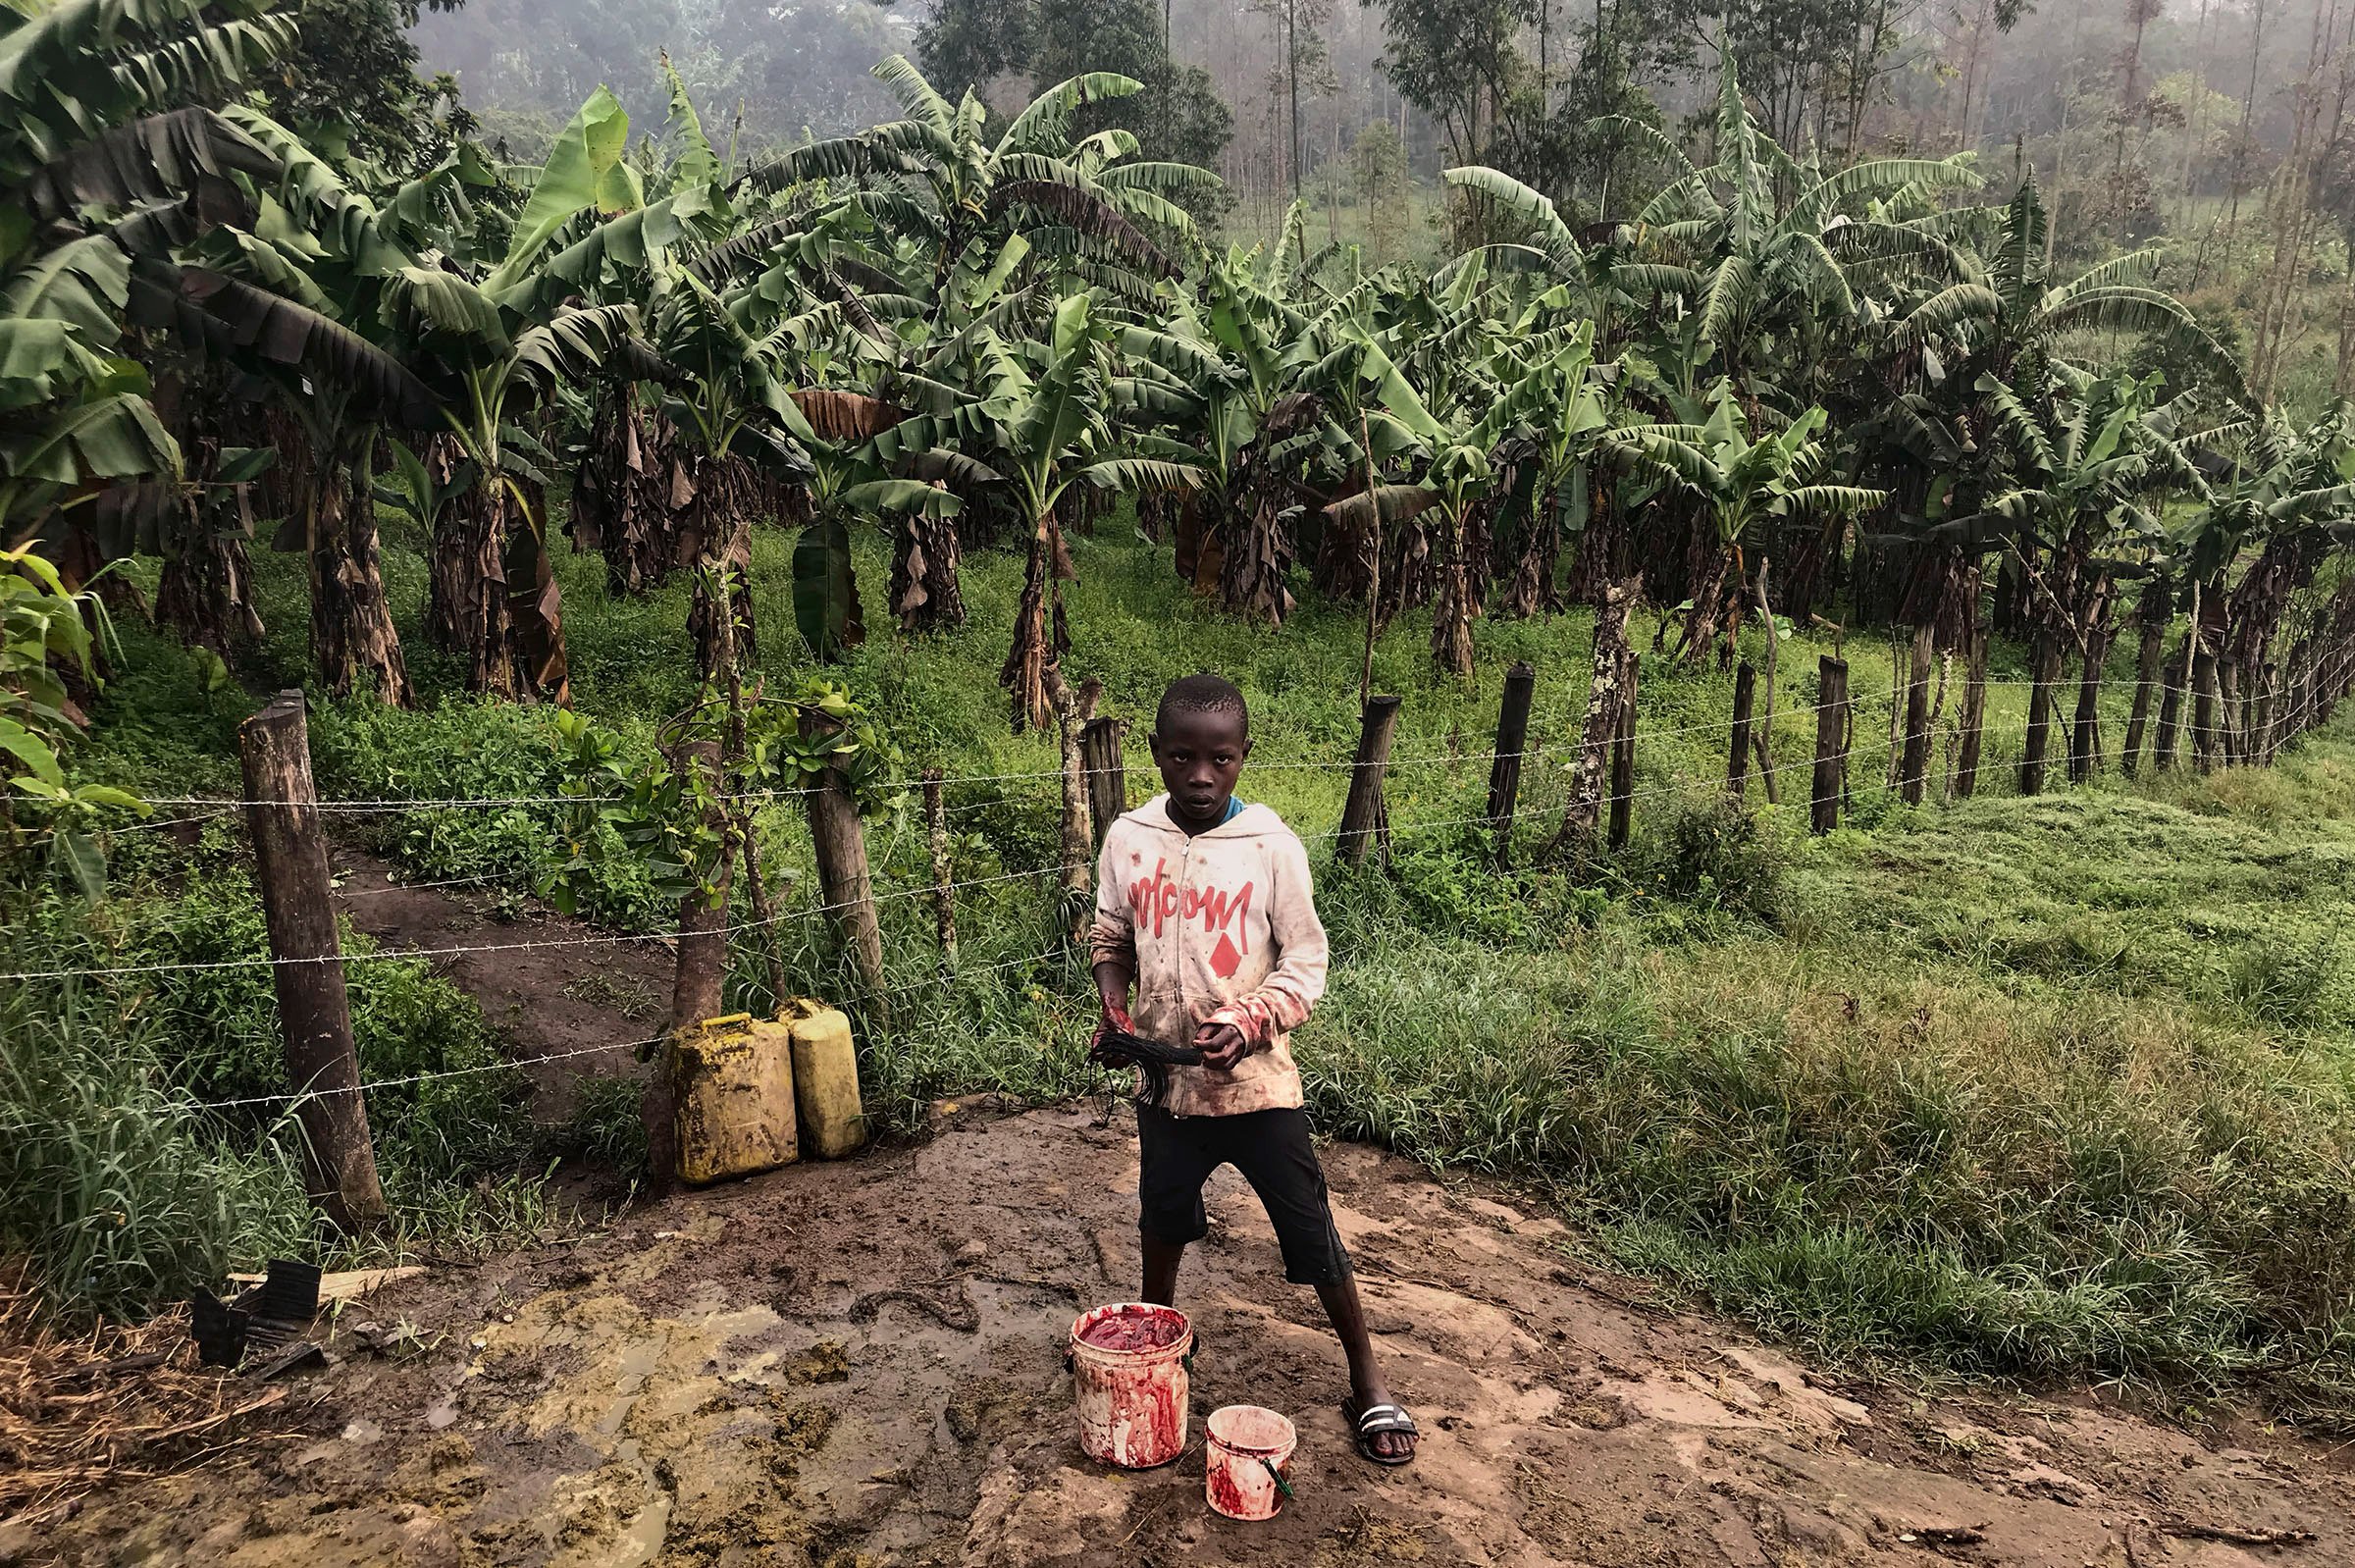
x=1176 y=1155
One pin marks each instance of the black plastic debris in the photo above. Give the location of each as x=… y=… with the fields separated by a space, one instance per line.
x=219 y=1330
x=288 y=1358
x=266 y=1317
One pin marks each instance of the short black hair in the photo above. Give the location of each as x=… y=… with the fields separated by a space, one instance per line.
x=1202 y=693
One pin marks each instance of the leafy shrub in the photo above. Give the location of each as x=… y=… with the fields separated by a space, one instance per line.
x=1714 y=855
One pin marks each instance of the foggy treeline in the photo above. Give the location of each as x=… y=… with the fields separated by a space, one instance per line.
x=2217 y=125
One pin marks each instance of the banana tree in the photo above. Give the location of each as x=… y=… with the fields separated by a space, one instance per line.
x=1559 y=410
x=1041 y=426
x=500 y=346
x=1742 y=480
x=106 y=157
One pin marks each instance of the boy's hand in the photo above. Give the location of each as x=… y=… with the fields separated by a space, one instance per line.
x=1222 y=1045
x=1114 y=1016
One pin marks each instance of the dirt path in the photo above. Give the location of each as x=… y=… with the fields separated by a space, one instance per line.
x=860 y=1364
x=552 y=1002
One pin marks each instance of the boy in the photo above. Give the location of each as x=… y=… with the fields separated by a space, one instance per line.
x=1204 y=904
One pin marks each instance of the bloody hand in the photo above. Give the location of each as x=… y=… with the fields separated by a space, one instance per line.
x=1222 y=1045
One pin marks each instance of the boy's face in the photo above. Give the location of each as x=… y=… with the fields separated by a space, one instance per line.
x=1200 y=756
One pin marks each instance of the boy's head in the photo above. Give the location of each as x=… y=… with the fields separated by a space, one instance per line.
x=1201 y=734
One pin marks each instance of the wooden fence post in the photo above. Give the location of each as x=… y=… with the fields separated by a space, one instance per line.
x=1600 y=732
x=1914 y=769
x=1736 y=755
x=1974 y=713
x=2233 y=714
x=2153 y=624
x=314 y=1011
x=1100 y=749
x=1512 y=740
x=944 y=901
x=2046 y=673
x=839 y=842
x=2085 y=732
x=1365 y=817
x=1623 y=753
x=2204 y=694
x=1831 y=749
x=696 y=984
x=2173 y=677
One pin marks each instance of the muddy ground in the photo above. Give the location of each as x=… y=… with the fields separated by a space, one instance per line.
x=860 y=1364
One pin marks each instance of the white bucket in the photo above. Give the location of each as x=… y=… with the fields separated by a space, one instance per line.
x=1250 y=1455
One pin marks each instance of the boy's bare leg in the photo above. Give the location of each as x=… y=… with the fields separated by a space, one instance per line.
x=1160 y=1269
x=1349 y=1316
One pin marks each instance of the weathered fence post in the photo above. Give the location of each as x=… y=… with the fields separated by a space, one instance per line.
x=2150 y=618
x=1513 y=741
x=1600 y=732
x=944 y=901
x=1736 y=756
x=2173 y=677
x=1831 y=751
x=1913 y=770
x=1364 y=817
x=1974 y=713
x=2231 y=725
x=696 y=980
x=2043 y=677
x=1072 y=711
x=839 y=842
x=1761 y=729
x=2204 y=696
x=2085 y=732
x=314 y=1011
x=1106 y=773
x=1623 y=753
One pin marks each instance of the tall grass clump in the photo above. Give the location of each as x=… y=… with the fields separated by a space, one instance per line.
x=112 y=1183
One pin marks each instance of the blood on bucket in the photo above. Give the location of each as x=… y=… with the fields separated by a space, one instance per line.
x=1129 y=1381
x=1249 y=1456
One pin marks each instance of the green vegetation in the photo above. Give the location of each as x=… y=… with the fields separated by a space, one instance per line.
x=892 y=438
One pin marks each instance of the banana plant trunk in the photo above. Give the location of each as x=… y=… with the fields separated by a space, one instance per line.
x=1037 y=627
x=1708 y=605
x=353 y=643
x=1258 y=560
x=1452 y=616
x=467 y=609
x=926 y=594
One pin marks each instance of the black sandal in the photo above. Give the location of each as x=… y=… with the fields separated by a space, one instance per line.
x=1375 y=1420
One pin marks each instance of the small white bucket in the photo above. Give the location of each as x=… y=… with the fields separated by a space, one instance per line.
x=1250 y=1459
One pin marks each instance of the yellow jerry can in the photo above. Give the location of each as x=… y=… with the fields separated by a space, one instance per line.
x=735 y=1098
x=826 y=1078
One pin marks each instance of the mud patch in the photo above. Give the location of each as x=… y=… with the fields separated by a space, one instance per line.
x=656 y=1397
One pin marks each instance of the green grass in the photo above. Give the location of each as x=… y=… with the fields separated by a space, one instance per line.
x=2038 y=1088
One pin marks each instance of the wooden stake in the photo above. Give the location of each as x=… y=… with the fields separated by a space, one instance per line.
x=1100 y=749
x=2204 y=702
x=1736 y=756
x=1364 y=816
x=839 y=840
x=1762 y=726
x=1975 y=715
x=1623 y=753
x=1584 y=813
x=2175 y=676
x=1072 y=713
x=944 y=903
x=314 y=1009
x=1831 y=749
x=695 y=981
x=2040 y=713
x=1913 y=768
x=2146 y=684
x=1512 y=740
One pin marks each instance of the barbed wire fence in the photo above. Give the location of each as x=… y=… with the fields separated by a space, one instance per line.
x=2171 y=724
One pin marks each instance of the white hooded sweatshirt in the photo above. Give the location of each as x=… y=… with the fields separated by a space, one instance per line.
x=1220 y=926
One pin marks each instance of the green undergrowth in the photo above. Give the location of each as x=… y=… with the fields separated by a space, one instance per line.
x=2038 y=1088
